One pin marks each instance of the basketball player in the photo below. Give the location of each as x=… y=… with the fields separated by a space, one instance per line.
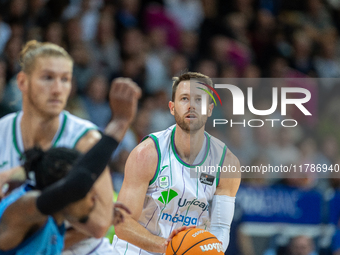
x=45 y=83
x=158 y=188
x=25 y=227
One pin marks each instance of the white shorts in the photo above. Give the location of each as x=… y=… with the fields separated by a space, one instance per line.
x=91 y=246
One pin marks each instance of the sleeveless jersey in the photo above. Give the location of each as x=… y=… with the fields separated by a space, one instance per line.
x=48 y=240
x=71 y=130
x=179 y=193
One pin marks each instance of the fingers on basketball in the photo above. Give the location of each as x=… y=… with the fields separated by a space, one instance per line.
x=194 y=241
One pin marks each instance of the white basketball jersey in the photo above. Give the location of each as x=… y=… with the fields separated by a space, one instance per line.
x=71 y=130
x=178 y=195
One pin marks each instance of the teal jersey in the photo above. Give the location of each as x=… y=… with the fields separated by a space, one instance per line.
x=48 y=240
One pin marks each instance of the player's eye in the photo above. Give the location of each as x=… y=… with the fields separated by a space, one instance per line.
x=47 y=77
x=65 y=79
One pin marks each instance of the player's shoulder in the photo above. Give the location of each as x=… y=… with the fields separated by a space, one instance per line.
x=6 y=124
x=147 y=148
x=74 y=120
x=231 y=159
x=215 y=141
x=8 y=118
x=142 y=161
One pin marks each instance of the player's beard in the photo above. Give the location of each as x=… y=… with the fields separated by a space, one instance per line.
x=189 y=127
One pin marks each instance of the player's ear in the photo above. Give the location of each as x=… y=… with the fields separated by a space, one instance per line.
x=22 y=81
x=172 y=107
x=210 y=109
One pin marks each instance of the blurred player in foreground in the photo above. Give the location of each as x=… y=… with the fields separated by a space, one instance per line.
x=25 y=224
x=45 y=83
x=161 y=186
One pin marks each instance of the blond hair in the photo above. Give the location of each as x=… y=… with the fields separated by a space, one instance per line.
x=34 y=49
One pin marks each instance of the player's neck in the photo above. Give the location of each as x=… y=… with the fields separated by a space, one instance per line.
x=59 y=218
x=188 y=145
x=37 y=130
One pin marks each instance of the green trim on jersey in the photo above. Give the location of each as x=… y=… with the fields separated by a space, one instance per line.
x=179 y=159
x=61 y=130
x=82 y=135
x=220 y=164
x=127 y=247
x=14 y=132
x=155 y=139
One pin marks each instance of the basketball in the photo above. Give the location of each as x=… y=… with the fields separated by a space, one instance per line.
x=194 y=241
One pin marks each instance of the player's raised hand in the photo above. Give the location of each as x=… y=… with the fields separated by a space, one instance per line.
x=124 y=95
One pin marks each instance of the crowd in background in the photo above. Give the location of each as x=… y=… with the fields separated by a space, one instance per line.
x=151 y=41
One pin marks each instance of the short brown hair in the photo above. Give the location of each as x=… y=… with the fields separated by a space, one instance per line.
x=33 y=49
x=186 y=77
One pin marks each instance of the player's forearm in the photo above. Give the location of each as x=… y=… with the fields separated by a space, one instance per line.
x=131 y=231
x=117 y=128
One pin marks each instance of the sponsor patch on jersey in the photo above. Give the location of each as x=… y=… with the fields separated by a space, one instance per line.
x=163 y=181
x=207 y=179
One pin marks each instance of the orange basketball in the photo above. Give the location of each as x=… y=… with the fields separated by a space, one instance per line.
x=194 y=241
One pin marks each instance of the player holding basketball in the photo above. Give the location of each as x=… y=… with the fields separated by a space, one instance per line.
x=157 y=186
x=25 y=224
x=45 y=83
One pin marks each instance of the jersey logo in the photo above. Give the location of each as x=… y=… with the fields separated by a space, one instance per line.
x=3 y=164
x=163 y=181
x=207 y=179
x=167 y=196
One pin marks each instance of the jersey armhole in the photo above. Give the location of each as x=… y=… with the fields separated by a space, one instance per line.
x=221 y=165
x=82 y=135
x=155 y=140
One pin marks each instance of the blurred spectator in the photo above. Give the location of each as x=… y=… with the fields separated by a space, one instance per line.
x=156 y=61
x=83 y=66
x=128 y=16
x=4 y=108
x=96 y=102
x=156 y=17
x=12 y=55
x=16 y=10
x=284 y=152
x=179 y=10
x=5 y=32
x=302 y=58
x=326 y=64
x=88 y=14
x=262 y=40
x=316 y=19
x=55 y=34
x=301 y=245
x=73 y=32
x=160 y=118
x=106 y=48
x=75 y=103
